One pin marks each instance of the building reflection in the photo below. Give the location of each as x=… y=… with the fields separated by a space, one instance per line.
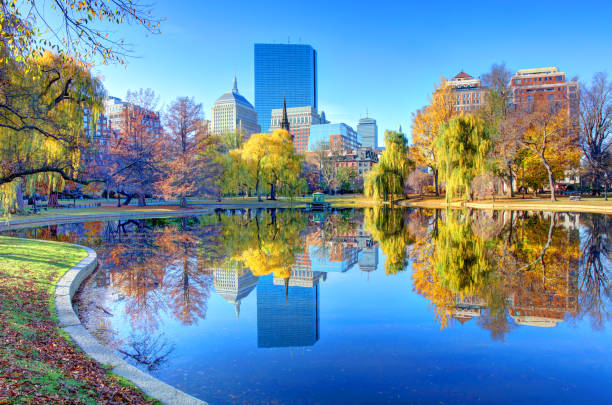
x=287 y=316
x=234 y=284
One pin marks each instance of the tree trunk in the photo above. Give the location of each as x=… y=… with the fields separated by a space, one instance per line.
x=511 y=178
x=594 y=183
x=436 y=185
x=141 y=200
x=19 y=198
x=272 y=191
x=257 y=189
x=53 y=199
x=551 y=182
x=183 y=202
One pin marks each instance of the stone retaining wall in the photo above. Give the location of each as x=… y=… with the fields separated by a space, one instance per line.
x=70 y=322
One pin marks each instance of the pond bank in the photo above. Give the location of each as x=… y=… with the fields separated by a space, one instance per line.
x=596 y=206
x=38 y=361
x=109 y=213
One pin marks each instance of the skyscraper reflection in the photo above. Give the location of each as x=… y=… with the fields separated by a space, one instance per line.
x=287 y=316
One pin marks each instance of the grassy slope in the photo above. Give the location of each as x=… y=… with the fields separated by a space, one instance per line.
x=38 y=363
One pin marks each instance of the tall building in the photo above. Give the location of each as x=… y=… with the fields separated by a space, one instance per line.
x=335 y=137
x=286 y=316
x=368 y=132
x=467 y=92
x=114 y=119
x=232 y=112
x=300 y=120
x=284 y=71
x=545 y=84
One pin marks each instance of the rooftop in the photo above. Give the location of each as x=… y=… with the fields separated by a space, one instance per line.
x=234 y=97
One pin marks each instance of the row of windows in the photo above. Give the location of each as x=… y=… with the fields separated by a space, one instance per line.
x=538 y=79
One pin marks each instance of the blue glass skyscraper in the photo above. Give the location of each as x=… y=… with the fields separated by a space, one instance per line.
x=284 y=71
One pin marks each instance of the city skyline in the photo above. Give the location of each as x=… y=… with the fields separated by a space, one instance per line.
x=388 y=68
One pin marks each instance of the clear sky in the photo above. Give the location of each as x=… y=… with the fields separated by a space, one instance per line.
x=380 y=56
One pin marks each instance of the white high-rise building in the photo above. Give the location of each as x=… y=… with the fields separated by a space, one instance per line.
x=232 y=112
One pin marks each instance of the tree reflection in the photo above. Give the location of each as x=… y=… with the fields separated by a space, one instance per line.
x=265 y=243
x=595 y=286
x=388 y=227
x=156 y=270
x=500 y=265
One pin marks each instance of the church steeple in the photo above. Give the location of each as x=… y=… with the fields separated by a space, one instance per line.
x=235 y=87
x=285 y=119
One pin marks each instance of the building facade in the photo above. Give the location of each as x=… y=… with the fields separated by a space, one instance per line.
x=467 y=92
x=361 y=160
x=337 y=138
x=368 y=132
x=232 y=112
x=547 y=83
x=115 y=119
x=300 y=120
x=284 y=71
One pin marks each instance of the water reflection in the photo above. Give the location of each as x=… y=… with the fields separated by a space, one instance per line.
x=493 y=271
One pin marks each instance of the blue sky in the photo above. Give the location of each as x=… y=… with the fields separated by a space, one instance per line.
x=383 y=56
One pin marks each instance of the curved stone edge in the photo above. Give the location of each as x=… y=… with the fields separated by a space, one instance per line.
x=11 y=224
x=71 y=324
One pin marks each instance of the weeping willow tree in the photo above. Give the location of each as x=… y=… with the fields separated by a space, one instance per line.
x=460 y=256
x=387 y=178
x=461 y=149
x=388 y=227
x=45 y=101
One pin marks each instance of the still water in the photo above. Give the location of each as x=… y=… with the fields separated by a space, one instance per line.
x=358 y=306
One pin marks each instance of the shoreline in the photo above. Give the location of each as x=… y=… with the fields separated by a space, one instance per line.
x=105 y=213
x=561 y=205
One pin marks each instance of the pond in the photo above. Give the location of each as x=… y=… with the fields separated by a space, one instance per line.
x=367 y=306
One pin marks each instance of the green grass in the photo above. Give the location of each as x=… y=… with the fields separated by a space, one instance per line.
x=38 y=361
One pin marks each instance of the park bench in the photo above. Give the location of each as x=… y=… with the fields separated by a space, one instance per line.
x=574 y=197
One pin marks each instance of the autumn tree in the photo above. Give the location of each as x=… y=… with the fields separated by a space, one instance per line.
x=46 y=50
x=596 y=125
x=547 y=131
x=326 y=161
x=281 y=164
x=426 y=123
x=80 y=29
x=270 y=159
x=189 y=169
x=461 y=146
x=387 y=178
x=42 y=132
x=502 y=159
x=417 y=181
x=136 y=163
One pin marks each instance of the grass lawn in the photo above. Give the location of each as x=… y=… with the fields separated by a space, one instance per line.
x=38 y=362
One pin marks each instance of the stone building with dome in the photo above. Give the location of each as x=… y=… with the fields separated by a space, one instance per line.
x=232 y=112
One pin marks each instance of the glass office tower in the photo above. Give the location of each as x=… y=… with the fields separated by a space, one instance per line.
x=284 y=71
x=368 y=132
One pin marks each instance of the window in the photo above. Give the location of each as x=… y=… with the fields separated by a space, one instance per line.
x=551 y=96
x=559 y=78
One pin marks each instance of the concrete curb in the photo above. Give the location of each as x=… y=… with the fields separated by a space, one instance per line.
x=69 y=219
x=69 y=322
